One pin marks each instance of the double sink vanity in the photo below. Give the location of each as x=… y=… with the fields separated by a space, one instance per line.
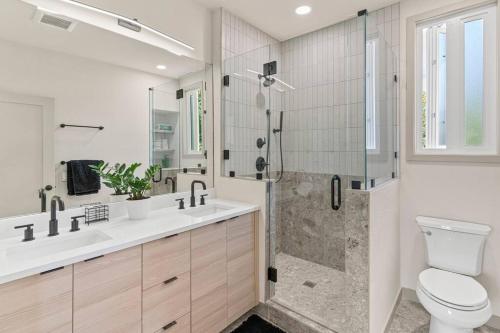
x=189 y=270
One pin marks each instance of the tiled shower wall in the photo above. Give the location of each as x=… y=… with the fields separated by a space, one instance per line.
x=244 y=48
x=324 y=130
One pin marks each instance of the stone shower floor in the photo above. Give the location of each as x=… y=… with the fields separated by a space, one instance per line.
x=310 y=289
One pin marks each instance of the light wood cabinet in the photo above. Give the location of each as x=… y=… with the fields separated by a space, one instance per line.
x=241 y=266
x=40 y=303
x=165 y=258
x=194 y=282
x=167 y=284
x=209 y=279
x=107 y=293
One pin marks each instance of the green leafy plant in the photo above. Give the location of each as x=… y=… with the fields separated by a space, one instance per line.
x=114 y=176
x=139 y=185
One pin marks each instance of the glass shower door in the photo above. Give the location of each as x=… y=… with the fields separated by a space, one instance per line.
x=323 y=150
x=246 y=100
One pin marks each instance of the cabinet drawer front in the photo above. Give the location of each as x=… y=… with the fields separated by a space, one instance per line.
x=206 y=279
x=208 y=245
x=240 y=236
x=165 y=258
x=165 y=303
x=182 y=325
x=107 y=293
x=39 y=303
x=208 y=313
x=241 y=298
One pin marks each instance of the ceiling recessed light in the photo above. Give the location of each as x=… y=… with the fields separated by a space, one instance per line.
x=302 y=10
x=161 y=67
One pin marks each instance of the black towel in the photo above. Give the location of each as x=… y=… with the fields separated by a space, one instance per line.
x=81 y=179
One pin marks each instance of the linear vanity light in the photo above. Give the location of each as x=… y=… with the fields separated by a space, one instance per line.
x=118 y=23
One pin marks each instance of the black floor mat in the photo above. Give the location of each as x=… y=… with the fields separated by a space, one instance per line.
x=255 y=324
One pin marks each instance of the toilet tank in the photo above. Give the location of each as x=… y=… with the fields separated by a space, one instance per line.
x=454 y=246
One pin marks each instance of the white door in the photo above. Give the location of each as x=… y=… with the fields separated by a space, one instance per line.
x=25 y=152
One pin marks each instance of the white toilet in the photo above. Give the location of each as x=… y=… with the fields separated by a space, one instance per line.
x=457 y=303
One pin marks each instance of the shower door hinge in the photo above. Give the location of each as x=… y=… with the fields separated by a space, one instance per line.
x=396 y=154
x=272 y=274
x=395 y=78
x=179 y=94
x=363 y=12
x=225 y=80
x=226 y=154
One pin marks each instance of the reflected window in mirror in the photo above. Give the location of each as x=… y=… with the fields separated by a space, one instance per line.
x=194 y=115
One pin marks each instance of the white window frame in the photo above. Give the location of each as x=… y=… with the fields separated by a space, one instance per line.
x=187 y=152
x=456 y=150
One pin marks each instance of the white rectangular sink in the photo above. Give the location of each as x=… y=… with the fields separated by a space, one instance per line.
x=53 y=245
x=204 y=211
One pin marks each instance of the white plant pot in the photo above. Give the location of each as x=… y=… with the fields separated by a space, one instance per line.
x=118 y=198
x=138 y=209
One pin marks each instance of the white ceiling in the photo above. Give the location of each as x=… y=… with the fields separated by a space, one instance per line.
x=278 y=18
x=87 y=41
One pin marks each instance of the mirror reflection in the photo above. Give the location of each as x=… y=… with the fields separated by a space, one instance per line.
x=74 y=94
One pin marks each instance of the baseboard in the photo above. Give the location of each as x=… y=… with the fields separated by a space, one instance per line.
x=393 y=312
x=411 y=295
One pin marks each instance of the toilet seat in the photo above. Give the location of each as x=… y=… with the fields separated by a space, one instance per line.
x=453 y=290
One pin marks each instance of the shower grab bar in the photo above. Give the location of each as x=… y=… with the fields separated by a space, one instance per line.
x=339 y=189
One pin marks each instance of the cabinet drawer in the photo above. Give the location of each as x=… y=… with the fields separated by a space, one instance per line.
x=107 y=293
x=240 y=236
x=241 y=277
x=208 y=265
x=208 y=245
x=181 y=325
x=241 y=286
x=208 y=313
x=39 y=303
x=165 y=258
x=166 y=302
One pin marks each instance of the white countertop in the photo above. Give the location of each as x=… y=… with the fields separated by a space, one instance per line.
x=122 y=233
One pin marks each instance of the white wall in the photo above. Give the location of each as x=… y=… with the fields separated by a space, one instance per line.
x=89 y=93
x=469 y=192
x=384 y=253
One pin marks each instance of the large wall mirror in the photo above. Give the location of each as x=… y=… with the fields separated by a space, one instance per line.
x=72 y=91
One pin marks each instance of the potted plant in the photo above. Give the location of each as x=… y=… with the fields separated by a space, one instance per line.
x=114 y=178
x=138 y=203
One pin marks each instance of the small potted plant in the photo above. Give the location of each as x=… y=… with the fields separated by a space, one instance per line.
x=138 y=203
x=114 y=178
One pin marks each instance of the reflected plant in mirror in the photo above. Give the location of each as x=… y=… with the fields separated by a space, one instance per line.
x=114 y=177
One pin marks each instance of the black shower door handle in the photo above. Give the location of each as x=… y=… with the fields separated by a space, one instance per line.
x=336 y=178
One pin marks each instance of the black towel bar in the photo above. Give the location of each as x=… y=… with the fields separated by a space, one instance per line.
x=82 y=126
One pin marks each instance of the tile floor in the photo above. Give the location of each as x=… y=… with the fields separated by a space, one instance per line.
x=411 y=317
x=313 y=290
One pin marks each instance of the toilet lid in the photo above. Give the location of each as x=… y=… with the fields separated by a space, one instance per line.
x=453 y=288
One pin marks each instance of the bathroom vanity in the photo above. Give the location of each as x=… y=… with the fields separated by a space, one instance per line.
x=191 y=270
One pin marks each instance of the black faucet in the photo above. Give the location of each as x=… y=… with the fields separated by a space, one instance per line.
x=43 y=197
x=193 y=199
x=173 y=183
x=53 y=224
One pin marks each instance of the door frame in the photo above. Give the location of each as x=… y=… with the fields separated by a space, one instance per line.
x=47 y=105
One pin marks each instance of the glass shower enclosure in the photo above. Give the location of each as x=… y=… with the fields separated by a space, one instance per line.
x=314 y=117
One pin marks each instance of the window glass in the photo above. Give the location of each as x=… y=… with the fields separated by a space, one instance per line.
x=474 y=81
x=455 y=84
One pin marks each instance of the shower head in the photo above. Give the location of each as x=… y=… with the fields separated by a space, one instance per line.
x=268 y=81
